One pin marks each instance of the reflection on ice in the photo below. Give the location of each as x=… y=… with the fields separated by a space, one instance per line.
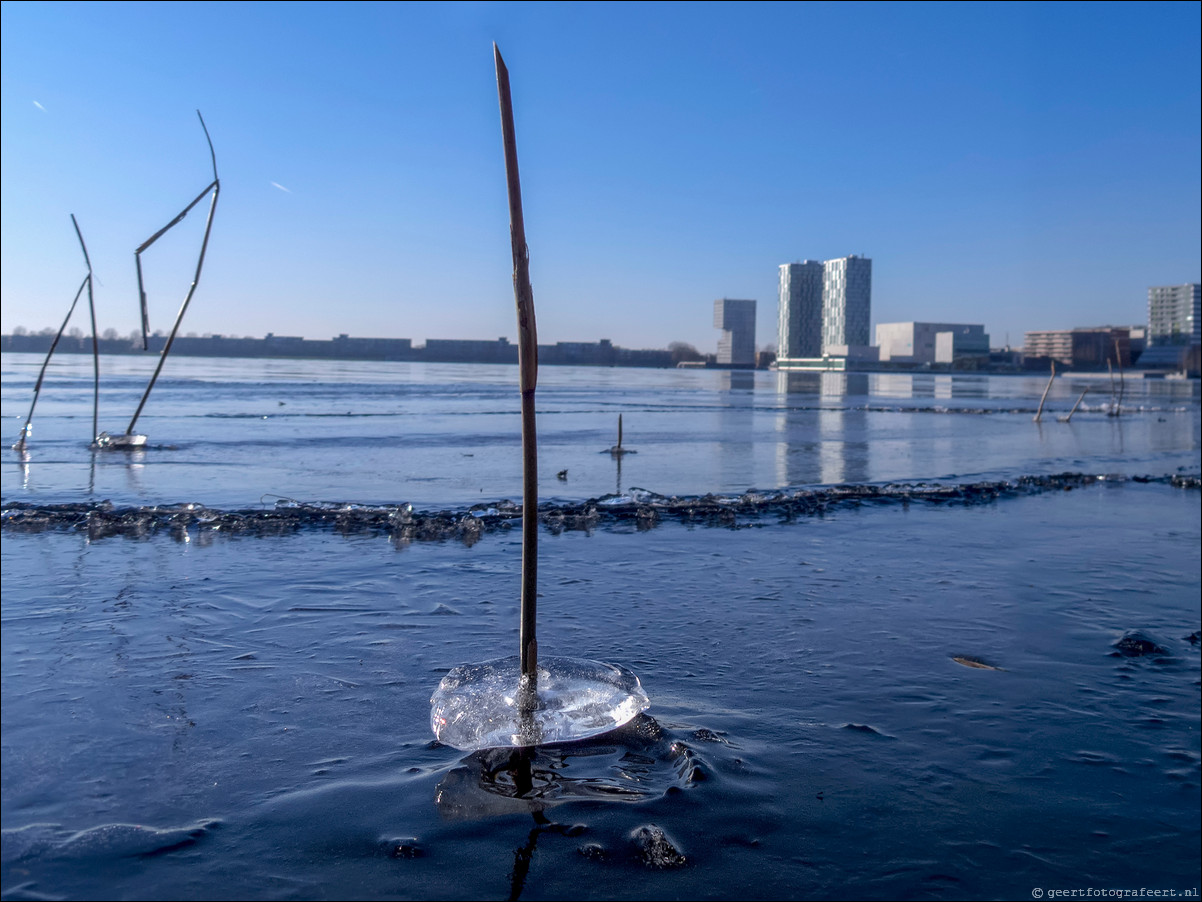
x=632 y=763
x=481 y=706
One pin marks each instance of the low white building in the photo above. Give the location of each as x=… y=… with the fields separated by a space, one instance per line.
x=837 y=358
x=930 y=342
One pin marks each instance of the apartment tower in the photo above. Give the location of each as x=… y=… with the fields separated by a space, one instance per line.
x=824 y=306
x=846 y=302
x=1173 y=315
x=800 y=329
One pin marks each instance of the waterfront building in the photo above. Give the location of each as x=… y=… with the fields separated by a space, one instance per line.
x=800 y=326
x=1086 y=348
x=579 y=353
x=1173 y=324
x=923 y=343
x=460 y=350
x=1049 y=344
x=846 y=301
x=825 y=314
x=736 y=319
x=1173 y=315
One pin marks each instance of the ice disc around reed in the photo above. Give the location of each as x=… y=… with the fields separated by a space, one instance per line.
x=489 y=705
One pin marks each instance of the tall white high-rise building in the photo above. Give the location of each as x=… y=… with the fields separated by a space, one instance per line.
x=800 y=329
x=846 y=301
x=824 y=306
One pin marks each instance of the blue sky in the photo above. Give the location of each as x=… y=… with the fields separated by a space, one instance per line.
x=1025 y=166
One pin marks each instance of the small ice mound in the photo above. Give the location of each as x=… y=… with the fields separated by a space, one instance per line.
x=125 y=442
x=1134 y=644
x=489 y=705
x=634 y=496
x=656 y=849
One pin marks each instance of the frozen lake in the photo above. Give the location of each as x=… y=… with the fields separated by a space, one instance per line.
x=192 y=714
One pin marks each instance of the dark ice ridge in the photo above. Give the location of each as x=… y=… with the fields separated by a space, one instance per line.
x=639 y=507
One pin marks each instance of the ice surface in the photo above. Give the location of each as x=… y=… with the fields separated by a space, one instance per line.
x=226 y=431
x=488 y=705
x=282 y=687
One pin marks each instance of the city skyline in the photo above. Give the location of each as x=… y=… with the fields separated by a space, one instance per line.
x=1023 y=166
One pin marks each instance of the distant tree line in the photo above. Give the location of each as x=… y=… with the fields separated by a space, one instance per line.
x=344 y=347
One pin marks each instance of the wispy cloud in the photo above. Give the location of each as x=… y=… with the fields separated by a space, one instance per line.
x=281 y=187
x=39 y=106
